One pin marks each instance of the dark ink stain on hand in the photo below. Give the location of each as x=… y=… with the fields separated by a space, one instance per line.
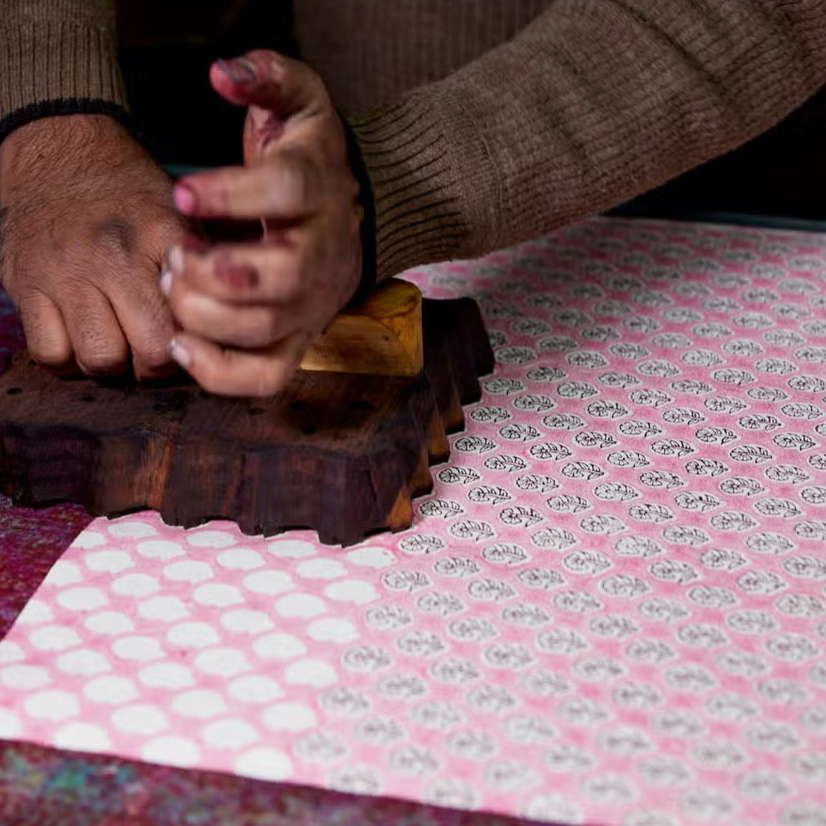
x=118 y=232
x=237 y=275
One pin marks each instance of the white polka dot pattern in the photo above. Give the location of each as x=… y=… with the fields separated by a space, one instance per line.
x=611 y=609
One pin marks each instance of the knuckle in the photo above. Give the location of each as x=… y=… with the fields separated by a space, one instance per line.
x=102 y=362
x=52 y=355
x=153 y=356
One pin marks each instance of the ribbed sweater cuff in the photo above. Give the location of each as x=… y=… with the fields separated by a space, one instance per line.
x=53 y=68
x=406 y=156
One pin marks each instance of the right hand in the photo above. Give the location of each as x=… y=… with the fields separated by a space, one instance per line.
x=85 y=221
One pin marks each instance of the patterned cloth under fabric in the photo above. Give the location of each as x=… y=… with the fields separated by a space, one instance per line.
x=610 y=610
x=30 y=540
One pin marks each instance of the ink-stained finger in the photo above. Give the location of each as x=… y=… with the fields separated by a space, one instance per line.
x=269 y=80
x=288 y=187
x=249 y=325
x=229 y=372
x=242 y=273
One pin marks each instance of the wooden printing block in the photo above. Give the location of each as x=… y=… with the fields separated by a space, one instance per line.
x=341 y=453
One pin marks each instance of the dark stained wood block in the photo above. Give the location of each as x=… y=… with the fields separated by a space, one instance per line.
x=342 y=454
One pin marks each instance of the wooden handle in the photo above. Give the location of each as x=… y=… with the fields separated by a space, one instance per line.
x=382 y=336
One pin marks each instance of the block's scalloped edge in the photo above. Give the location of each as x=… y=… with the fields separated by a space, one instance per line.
x=375 y=490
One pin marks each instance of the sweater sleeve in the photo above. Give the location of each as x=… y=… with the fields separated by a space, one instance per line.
x=58 y=57
x=594 y=102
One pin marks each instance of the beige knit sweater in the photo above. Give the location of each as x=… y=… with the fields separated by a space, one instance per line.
x=492 y=121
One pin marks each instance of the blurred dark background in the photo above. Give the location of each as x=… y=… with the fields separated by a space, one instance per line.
x=165 y=53
x=167 y=49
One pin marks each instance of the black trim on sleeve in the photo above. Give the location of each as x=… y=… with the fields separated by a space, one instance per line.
x=64 y=106
x=368 y=225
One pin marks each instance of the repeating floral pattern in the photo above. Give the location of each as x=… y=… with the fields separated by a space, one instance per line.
x=611 y=609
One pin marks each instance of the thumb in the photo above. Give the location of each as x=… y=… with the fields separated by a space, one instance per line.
x=270 y=81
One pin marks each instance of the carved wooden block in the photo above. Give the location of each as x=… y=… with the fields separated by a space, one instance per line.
x=341 y=453
x=383 y=335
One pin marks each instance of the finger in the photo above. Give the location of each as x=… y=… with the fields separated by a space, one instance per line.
x=46 y=336
x=97 y=339
x=146 y=320
x=239 y=372
x=269 y=80
x=241 y=273
x=288 y=187
x=248 y=326
x=142 y=310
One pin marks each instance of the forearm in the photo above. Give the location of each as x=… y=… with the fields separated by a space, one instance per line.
x=593 y=103
x=57 y=57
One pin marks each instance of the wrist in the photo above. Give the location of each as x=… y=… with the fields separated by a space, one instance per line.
x=55 y=140
x=49 y=110
x=69 y=127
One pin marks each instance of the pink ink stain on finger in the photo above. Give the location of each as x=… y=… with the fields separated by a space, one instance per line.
x=235 y=275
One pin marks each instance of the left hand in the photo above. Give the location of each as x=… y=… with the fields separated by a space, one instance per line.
x=249 y=312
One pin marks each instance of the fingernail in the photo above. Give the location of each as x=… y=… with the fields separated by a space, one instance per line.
x=248 y=66
x=166 y=282
x=175 y=260
x=179 y=353
x=238 y=70
x=184 y=198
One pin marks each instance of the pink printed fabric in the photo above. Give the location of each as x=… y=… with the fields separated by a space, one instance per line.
x=609 y=611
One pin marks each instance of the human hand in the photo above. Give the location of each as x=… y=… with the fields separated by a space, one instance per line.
x=86 y=219
x=250 y=311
